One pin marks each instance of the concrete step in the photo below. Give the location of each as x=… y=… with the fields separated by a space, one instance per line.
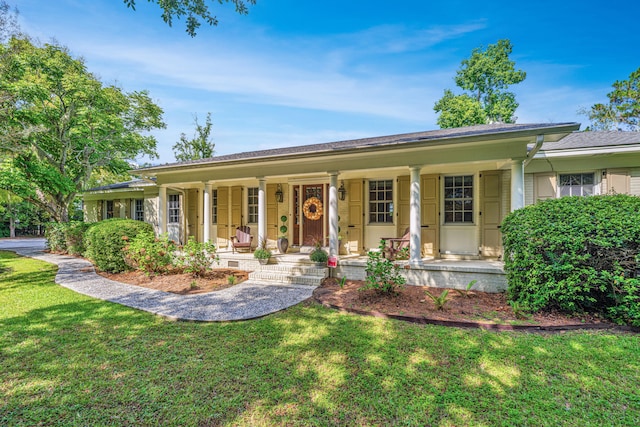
x=309 y=275
x=286 y=279
x=295 y=270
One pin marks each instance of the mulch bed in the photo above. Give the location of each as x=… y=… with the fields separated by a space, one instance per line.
x=473 y=310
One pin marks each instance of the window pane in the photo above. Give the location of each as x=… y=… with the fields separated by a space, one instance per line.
x=458 y=199
x=381 y=201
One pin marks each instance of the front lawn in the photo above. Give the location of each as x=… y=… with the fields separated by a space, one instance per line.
x=66 y=359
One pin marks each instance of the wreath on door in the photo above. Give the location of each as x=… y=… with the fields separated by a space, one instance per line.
x=312 y=208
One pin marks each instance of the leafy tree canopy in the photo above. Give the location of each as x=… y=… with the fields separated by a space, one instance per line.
x=457 y=111
x=195 y=11
x=623 y=110
x=199 y=147
x=8 y=21
x=59 y=123
x=485 y=78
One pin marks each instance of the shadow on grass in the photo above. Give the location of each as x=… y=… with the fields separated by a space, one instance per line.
x=85 y=362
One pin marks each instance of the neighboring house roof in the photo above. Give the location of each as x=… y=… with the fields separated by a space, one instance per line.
x=434 y=136
x=135 y=183
x=583 y=140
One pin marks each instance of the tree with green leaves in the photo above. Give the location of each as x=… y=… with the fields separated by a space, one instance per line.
x=623 y=110
x=199 y=147
x=18 y=214
x=195 y=11
x=485 y=78
x=8 y=21
x=59 y=123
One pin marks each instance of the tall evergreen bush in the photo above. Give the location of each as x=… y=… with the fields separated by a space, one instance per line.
x=105 y=241
x=576 y=254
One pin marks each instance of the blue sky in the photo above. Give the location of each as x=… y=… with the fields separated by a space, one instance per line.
x=298 y=72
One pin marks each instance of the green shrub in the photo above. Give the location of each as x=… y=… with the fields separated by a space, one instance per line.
x=196 y=257
x=319 y=255
x=106 y=239
x=74 y=237
x=576 y=254
x=382 y=275
x=56 y=237
x=151 y=254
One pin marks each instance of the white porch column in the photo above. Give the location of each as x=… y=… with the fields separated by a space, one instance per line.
x=206 y=226
x=333 y=214
x=162 y=209
x=415 y=247
x=517 y=184
x=262 y=210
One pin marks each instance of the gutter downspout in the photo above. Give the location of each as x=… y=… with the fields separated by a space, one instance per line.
x=534 y=150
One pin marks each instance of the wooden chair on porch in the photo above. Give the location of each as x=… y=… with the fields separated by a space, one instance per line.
x=395 y=245
x=242 y=239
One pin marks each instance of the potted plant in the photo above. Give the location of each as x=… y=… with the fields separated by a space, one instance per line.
x=262 y=254
x=283 y=242
x=319 y=255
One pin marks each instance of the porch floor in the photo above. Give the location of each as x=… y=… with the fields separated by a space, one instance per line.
x=443 y=273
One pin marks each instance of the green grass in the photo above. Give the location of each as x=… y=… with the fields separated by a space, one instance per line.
x=66 y=359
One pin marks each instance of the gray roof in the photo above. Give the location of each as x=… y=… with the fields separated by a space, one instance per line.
x=380 y=141
x=580 y=140
x=135 y=183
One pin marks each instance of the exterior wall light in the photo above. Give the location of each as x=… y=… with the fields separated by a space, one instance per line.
x=342 y=192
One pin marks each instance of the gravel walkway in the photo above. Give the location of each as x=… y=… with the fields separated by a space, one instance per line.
x=246 y=300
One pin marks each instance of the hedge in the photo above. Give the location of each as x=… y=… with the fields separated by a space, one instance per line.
x=67 y=237
x=576 y=254
x=106 y=239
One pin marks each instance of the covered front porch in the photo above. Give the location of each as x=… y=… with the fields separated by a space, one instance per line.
x=449 y=188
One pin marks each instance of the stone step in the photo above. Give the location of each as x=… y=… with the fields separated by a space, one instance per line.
x=275 y=277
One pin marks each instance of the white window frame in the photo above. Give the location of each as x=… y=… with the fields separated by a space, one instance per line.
x=138 y=214
x=388 y=208
x=173 y=210
x=467 y=202
x=214 y=206
x=252 y=205
x=579 y=188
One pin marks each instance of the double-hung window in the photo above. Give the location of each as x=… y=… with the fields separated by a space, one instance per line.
x=174 y=209
x=138 y=213
x=214 y=206
x=576 y=184
x=458 y=199
x=109 y=212
x=381 y=201
x=252 y=204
